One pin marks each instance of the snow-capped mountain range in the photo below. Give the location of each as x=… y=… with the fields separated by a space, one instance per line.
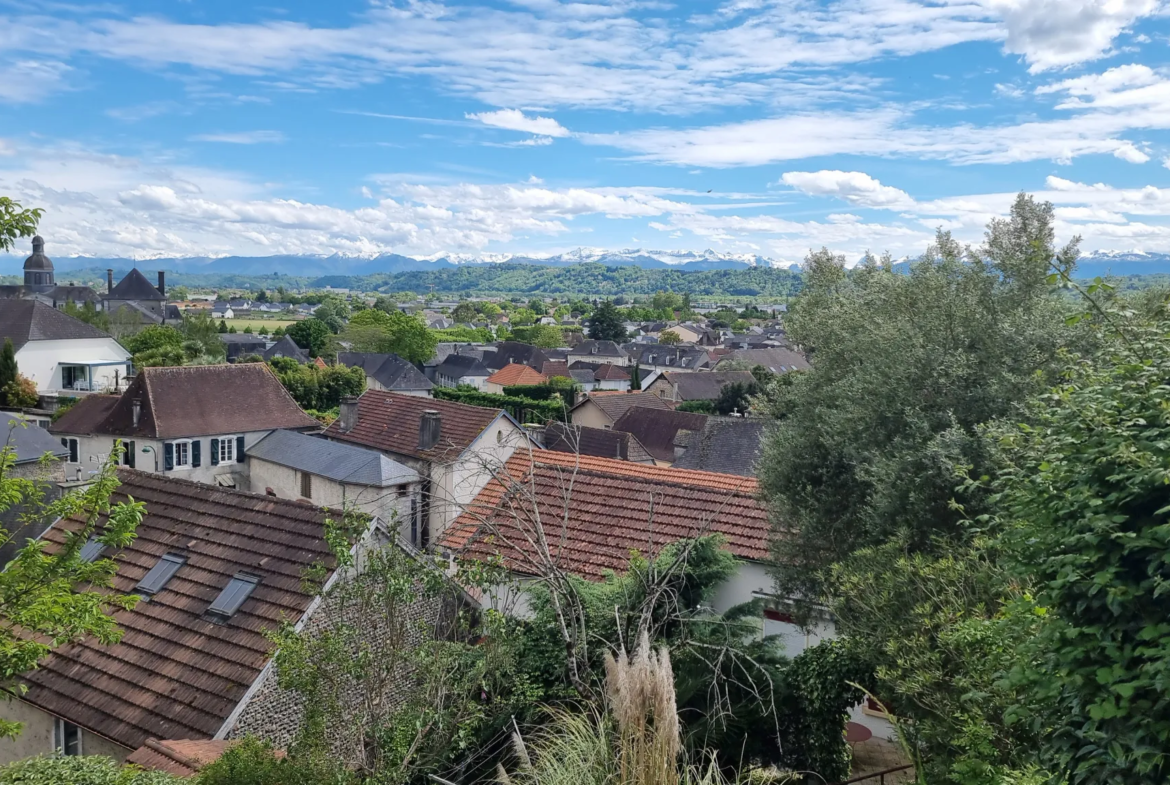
x=1091 y=264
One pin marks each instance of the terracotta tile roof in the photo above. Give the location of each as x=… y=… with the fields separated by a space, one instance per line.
x=199 y=400
x=615 y=404
x=181 y=757
x=657 y=429
x=390 y=422
x=86 y=416
x=555 y=368
x=515 y=373
x=596 y=511
x=597 y=442
x=175 y=674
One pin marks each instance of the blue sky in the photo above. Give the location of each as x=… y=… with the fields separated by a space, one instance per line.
x=768 y=127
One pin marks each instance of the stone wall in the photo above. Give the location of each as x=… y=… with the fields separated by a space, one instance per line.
x=276 y=715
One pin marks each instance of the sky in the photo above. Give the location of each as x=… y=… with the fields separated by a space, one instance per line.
x=209 y=128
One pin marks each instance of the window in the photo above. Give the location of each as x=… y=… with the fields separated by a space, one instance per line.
x=227 y=449
x=306 y=485
x=91 y=550
x=66 y=738
x=238 y=590
x=403 y=491
x=127 y=453
x=182 y=454
x=160 y=574
x=71 y=445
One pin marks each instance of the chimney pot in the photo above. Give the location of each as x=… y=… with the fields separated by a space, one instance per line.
x=430 y=429
x=162 y=283
x=109 y=280
x=348 y=413
x=136 y=407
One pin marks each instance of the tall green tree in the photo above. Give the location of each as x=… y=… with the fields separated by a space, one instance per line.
x=906 y=368
x=16 y=222
x=311 y=335
x=8 y=369
x=464 y=312
x=394 y=332
x=606 y=323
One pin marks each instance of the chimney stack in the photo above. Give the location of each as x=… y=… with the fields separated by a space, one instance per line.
x=162 y=283
x=109 y=280
x=430 y=428
x=136 y=407
x=348 y=413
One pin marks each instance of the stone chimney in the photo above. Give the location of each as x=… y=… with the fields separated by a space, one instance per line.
x=162 y=283
x=109 y=280
x=430 y=428
x=348 y=413
x=136 y=408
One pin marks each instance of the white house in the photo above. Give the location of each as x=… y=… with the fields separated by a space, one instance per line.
x=453 y=447
x=575 y=497
x=61 y=354
x=196 y=422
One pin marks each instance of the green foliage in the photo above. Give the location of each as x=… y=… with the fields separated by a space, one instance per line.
x=525 y=410
x=8 y=367
x=546 y=336
x=87 y=312
x=20 y=392
x=697 y=407
x=464 y=335
x=669 y=338
x=49 y=600
x=636 y=377
x=558 y=388
x=607 y=324
x=333 y=311
x=464 y=312
x=202 y=336
x=311 y=335
x=1082 y=513
x=153 y=337
x=16 y=222
x=316 y=388
x=393 y=332
x=83 y=770
x=253 y=762
x=906 y=369
x=522 y=316
x=735 y=398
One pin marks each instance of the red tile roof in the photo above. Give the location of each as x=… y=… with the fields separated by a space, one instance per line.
x=596 y=511
x=390 y=422
x=610 y=372
x=515 y=373
x=555 y=368
x=198 y=400
x=175 y=673
x=181 y=757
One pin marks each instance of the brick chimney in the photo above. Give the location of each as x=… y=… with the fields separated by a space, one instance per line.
x=430 y=428
x=347 y=416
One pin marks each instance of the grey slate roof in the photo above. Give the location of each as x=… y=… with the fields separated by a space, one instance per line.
x=776 y=360
x=31 y=320
x=134 y=286
x=457 y=366
x=345 y=463
x=566 y=437
x=508 y=352
x=683 y=357
x=286 y=347
x=598 y=349
x=388 y=370
x=704 y=385
x=30 y=441
x=728 y=445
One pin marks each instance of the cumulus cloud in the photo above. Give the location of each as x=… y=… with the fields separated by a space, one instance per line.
x=515 y=120
x=30 y=80
x=241 y=137
x=1127 y=152
x=856 y=188
x=1058 y=33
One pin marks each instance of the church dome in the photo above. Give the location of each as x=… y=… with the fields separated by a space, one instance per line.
x=38 y=260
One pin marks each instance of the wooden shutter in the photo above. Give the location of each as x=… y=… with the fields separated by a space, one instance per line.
x=306 y=485
x=215 y=452
x=168 y=457
x=195 y=449
x=239 y=449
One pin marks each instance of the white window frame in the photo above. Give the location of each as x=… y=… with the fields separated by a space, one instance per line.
x=59 y=737
x=186 y=445
x=228 y=454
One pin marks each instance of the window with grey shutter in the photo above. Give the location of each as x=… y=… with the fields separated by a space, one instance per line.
x=215 y=452
x=239 y=449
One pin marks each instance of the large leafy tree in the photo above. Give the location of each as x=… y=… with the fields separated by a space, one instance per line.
x=8 y=369
x=905 y=370
x=50 y=599
x=16 y=222
x=311 y=335
x=394 y=332
x=606 y=323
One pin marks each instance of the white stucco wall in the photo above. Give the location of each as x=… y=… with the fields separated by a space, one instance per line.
x=589 y=415
x=37 y=736
x=41 y=360
x=386 y=503
x=374 y=384
x=93 y=450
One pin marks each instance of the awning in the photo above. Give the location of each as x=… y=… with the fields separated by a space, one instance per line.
x=225 y=480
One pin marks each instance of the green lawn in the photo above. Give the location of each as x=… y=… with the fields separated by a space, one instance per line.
x=256 y=324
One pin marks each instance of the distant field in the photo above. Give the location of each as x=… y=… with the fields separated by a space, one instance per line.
x=256 y=324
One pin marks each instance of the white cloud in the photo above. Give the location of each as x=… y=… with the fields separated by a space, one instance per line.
x=515 y=120
x=28 y=80
x=1059 y=33
x=241 y=137
x=856 y=188
x=1127 y=152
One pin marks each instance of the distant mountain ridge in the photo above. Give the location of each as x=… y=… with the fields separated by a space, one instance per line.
x=1098 y=263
